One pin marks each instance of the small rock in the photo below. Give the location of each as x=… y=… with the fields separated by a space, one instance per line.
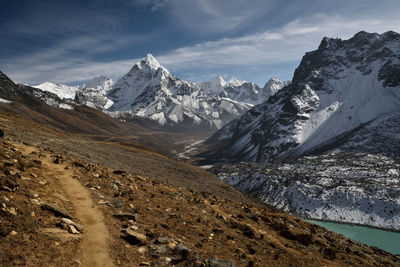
x=182 y=250
x=126 y=216
x=66 y=221
x=12 y=233
x=117 y=203
x=164 y=240
x=134 y=237
x=12 y=211
x=172 y=245
x=115 y=187
x=142 y=250
x=56 y=210
x=215 y=262
x=144 y=264
x=119 y=172
x=117 y=182
x=157 y=250
x=72 y=230
x=134 y=228
x=35 y=201
x=9 y=163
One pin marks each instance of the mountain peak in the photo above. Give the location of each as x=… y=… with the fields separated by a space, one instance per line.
x=151 y=62
x=219 y=81
x=235 y=82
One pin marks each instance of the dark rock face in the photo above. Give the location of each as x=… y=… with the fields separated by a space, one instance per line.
x=1 y=133
x=337 y=89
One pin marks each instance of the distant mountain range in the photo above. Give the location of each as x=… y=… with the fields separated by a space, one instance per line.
x=150 y=91
x=345 y=94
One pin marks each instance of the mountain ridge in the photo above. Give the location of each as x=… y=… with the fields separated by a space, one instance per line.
x=150 y=91
x=336 y=88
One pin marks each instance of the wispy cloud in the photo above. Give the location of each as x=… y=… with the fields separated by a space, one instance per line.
x=57 y=64
x=283 y=44
x=209 y=16
x=153 y=4
x=256 y=52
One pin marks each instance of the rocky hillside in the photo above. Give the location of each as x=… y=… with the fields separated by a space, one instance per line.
x=60 y=210
x=337 y=91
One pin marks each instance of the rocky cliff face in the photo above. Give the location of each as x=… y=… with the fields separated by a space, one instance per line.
x=336 y=91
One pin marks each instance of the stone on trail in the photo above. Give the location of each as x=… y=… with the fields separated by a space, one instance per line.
x=66 y=221
x=72 y=230
x=56 y=210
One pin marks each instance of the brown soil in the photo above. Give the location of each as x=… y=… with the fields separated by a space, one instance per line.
x=94 y=243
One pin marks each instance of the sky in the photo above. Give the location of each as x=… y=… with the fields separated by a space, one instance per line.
x=72 y=41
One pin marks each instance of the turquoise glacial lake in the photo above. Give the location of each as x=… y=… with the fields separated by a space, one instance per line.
x=385 y=240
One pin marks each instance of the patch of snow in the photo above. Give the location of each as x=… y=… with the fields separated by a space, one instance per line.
x=66 y=106
x=61 y=90
x=4 y=101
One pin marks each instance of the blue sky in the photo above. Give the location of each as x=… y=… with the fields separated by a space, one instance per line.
x=73 y=41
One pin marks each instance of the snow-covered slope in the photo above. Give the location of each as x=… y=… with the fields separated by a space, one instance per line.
x=335 y=91
x=242 y=91
x=94 y=93
x=358 y=188
x=149 y=90
x=61 y=90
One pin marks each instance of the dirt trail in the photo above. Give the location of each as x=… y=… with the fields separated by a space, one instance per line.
x=94 y=247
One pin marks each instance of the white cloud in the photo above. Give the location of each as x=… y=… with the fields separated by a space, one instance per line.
x=268 y=48
x=210 y=16
x=287 y=43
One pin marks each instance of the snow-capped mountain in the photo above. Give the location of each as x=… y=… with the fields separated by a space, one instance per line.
x=336 y=91
x=242 y=91
x=61 y=90
x=94 y=93
x=149 y=90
